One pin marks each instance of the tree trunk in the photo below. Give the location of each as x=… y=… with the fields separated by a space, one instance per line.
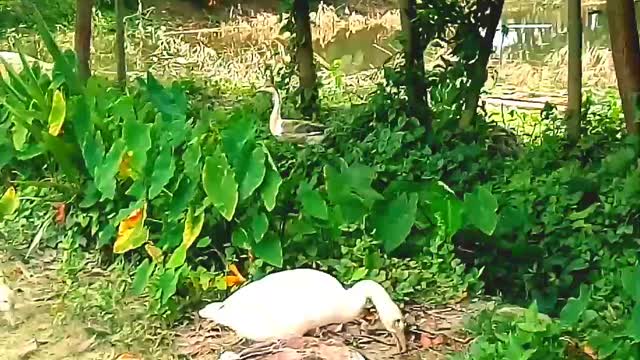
x=83 y=38
x=304 y=58
x=489 y=12
x=574 y=81
x=414 y=64
x=626 y=56
x=120 y=49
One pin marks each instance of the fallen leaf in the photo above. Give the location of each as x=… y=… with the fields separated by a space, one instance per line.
x=425 y=341
x=85 y=345
x=61 y=213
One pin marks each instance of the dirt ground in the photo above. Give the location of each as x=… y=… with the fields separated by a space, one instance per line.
x=48 y=328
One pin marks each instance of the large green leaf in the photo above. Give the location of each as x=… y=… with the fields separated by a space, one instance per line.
x=393 y=220
x=259 y=226
x=106 y=173
x=181 y=197
x=480 y=208
x=633 y=324
x=631 y=282
x=269 y=250
x=312 y=202
x=237 y=136
x=163 y=169
x=191 y=159
x=573 y=310
x=137 y=137
x=254 y=173
x=178 y=257
x=220 y=185
x=240 y=239
x=141 y=278
x=271 y=185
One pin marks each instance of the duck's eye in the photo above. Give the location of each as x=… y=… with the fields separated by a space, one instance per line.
x=397 y=324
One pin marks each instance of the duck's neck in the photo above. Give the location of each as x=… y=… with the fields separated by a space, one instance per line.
x=358 y=295
x=275 y=120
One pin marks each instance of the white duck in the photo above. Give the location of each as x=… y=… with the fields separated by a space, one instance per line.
x=299 y=348
x=295 y=131
x=289 y=303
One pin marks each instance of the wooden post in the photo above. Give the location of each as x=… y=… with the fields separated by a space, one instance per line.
x=304 y=57
x=574 y=81
x=82 y=40
x=120 y=44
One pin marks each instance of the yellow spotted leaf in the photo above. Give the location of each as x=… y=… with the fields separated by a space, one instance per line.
x=124 y=169
x=154 y=252
x=131 y=231
x=57 y=113
x=9 y=202
x=192 y=227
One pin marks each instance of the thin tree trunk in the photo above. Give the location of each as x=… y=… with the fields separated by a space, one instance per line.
x=120 y=49
x=574 y=81
x=83 y=38
x=414 y=63
x=479 y=74
x=304 y=57
x=626 y=56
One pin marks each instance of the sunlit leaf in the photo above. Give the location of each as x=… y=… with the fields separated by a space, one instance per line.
x=57 y=113
x=631 y=282
x=480 y=208
x=9 y=202
x=234 y=270
x=141 y=278
x=163 y=170
x=178 y=257
x=633 y=324
x=394 y=220
x=573 y=310
x=233 y=280
x=269 y=250
x=167 y=283
x=131 y=231
x=137 y=138
x=220 y=185
x=192 y=227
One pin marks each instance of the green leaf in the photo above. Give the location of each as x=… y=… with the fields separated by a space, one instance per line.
x=19 y=136
x=259 y=226
x=480 y=208
x=167 y=283
x=254 y=173
x=106 y=173
x=631 y=282
x=269 y=250
x=312 y=202
x=141 y=278
x=163 y=170
x=220 y=185
x=270 y=189
x=191 y=159
x=203 y=243
x=240 y=239
x=573 y=310
x=178 y=257
x=237 y=136
x=57 y=113
x=181 y=197
x=393 y=220
x=633 y=324
x=137 y=137
x=192 y=227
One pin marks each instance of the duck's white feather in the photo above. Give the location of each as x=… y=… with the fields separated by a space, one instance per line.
x=285 y=304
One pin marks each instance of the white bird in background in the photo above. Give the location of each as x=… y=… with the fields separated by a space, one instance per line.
x=290 y=303
x=294 y=131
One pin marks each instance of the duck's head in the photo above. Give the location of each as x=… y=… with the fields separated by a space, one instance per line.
x=268 y=89
x=389 y=313
x=392 y=319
